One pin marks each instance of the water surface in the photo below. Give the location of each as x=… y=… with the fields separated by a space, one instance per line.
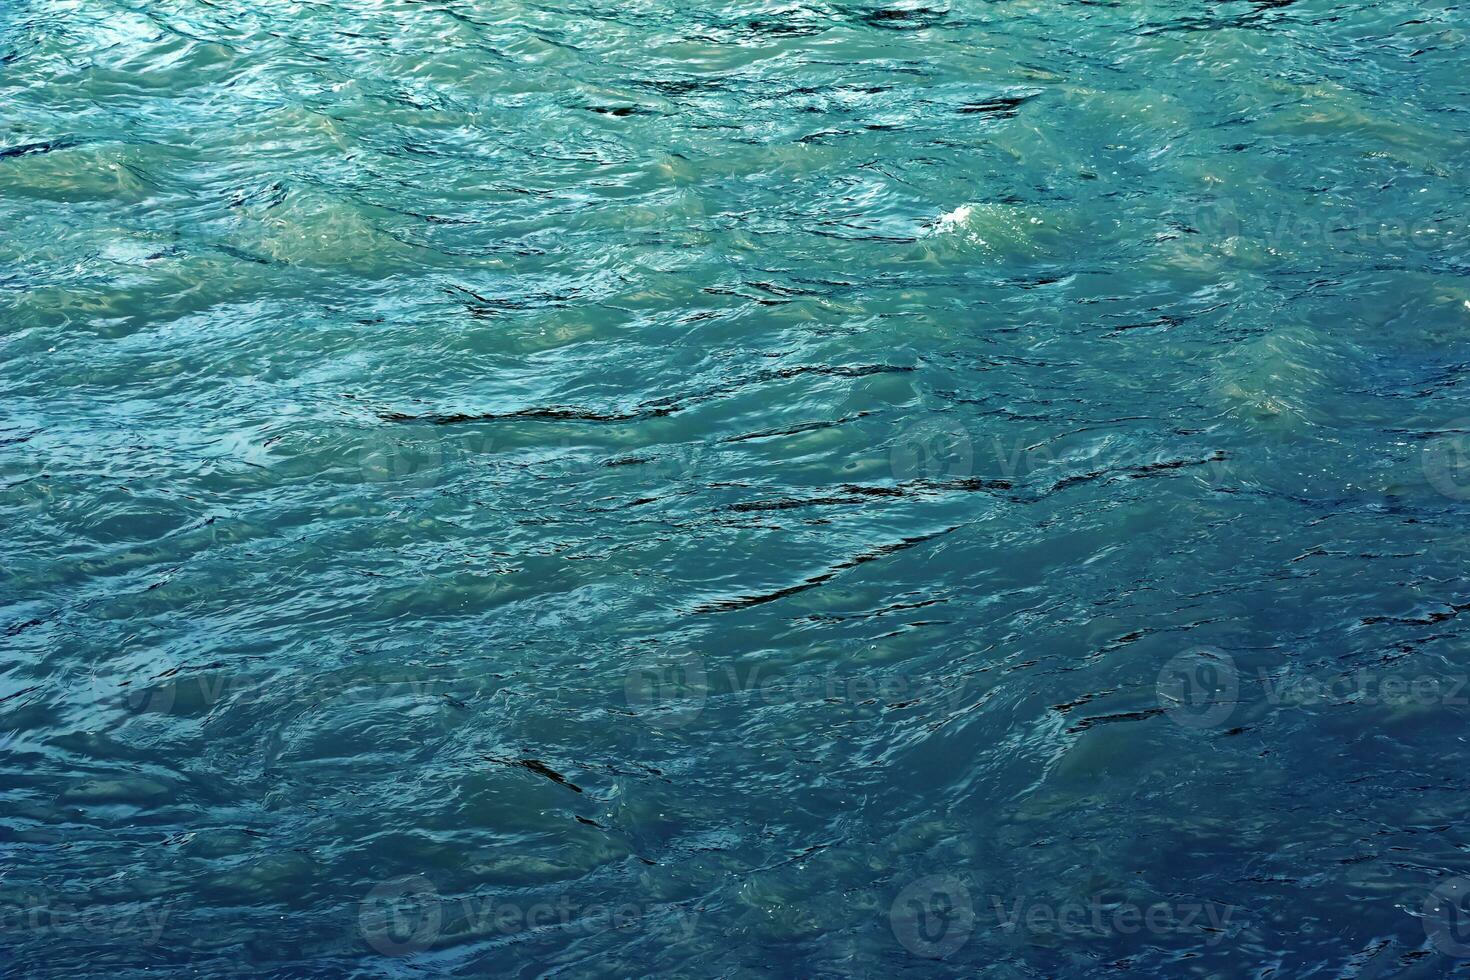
x=822 y=488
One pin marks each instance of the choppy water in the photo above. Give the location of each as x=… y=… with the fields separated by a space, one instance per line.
x=818 y=488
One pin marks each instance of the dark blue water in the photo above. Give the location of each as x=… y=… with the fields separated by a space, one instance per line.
x=770 y=488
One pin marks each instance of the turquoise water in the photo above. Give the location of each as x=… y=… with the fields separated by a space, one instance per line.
x=811 y=488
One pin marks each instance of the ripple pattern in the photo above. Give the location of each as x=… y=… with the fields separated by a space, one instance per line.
x=893 y=487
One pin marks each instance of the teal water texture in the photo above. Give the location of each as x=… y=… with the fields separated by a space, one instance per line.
x=815 y=488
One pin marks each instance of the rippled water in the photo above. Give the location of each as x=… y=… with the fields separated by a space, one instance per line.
x=823 y=488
